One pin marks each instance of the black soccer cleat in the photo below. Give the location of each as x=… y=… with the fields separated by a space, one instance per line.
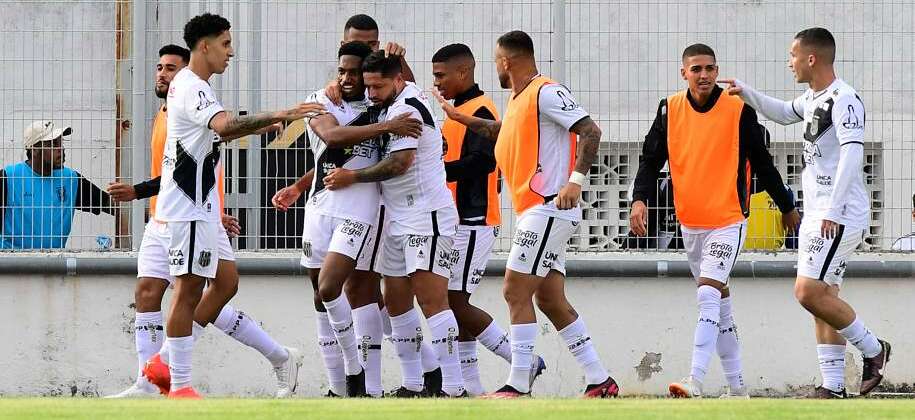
x=822 y=393
x=443 y=394
x=331 y=394
x=406 y=393
x=873 y=368
x=355 y=385
x=432 y=381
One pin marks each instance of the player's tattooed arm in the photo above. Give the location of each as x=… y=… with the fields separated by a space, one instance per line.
x=233 y=127
x=588 y=143
x=486 y=128
x=394 y=165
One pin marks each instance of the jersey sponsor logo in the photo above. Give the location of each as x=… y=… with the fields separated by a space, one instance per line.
x=410 y=200
x=203 y=102
x=525 y=238
x=175 y=257
x=204 y=259
x=824 y=180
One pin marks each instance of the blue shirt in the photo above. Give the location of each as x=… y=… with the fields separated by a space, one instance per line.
x=39 y=209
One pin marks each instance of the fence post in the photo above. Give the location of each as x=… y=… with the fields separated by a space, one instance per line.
x=558 y=41
x=138 y=118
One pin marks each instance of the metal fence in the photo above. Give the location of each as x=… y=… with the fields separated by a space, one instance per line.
x=90 y=64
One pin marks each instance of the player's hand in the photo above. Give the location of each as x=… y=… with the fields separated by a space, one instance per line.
x=286 y=197
x=829 y=229
x=449 y=109
x=568 y=196
x=638 y=218
x=339 y=178
x=272 y=128
x=233 y=228
x=304 y=110
x=732 y=87
x=394 y=49
x=791 y=221
x=334 y=92
x=121 y=192
x=404 y=126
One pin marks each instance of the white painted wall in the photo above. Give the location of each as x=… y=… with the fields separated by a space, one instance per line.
x=66 y=335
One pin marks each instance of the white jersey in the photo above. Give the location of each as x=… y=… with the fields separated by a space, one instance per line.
x=834 y=121
x=191 y=157
x=422 y=188
x=343 y=203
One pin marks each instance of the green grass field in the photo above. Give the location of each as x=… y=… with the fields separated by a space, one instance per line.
x=536 y=409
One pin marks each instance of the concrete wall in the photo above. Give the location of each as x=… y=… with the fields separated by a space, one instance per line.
x=74 y=335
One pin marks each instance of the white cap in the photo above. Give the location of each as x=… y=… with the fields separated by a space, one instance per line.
x=39 y=131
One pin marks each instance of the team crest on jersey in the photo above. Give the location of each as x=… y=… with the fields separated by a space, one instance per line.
x=205 y=258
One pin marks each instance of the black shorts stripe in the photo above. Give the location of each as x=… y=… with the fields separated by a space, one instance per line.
x=377 y=238
x=362 y=247
x=468 y=259
x=832 y=252
x=190 y=248
x=546 y=237
x=434 y=239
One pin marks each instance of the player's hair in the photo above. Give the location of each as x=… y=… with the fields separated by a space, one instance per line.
x=202 y=26
x=356 y=48
x=361 y=22
x=376 y=62
x=452 y=51
x=517 y=42
x=172 y=49
x=698 y=49
x=821 y=41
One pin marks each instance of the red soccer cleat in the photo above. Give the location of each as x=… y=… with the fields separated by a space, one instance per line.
x=186 y=393
x=605 y=389
x=156 y=372
x=507 y=392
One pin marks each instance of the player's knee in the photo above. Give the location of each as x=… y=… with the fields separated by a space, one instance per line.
x=329 y=292
x=548 y=303
x=514 y=296
x=148 y=295
x=806 y=294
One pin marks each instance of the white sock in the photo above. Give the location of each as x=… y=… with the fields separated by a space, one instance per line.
x=832 y=365
x=181 y=354
x=407 y=336
x=197 y=331
x=385 y=321
x=470 y=368
x=706 y=337
x=580 y=344
x=341 y=318
x=523 y=336
x=496 y=340
x=728 y=346
x=862 y=338
x=368 y=328
x=241 y=327
x=445 y=342
x=428 y=357
x=149 y=334
x=330 y=352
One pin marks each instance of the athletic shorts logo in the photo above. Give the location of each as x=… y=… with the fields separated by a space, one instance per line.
x=525 y=238
x=204 y=259
x=549 y=259
x=720 y=250
x=416 y=241
x=445 y=259
x=841 y=269
x=353 y=228
x=815 y=244
x=476 y=276
x=522 y=257
x=176 y=257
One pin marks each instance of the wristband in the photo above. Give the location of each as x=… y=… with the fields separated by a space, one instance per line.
x=578 y=178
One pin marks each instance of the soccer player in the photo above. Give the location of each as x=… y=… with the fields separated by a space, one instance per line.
x=339 y=240
x=196 y=126
x=152 y=263
x=836 y=204
x=711 y=142
x=544 y=167
x=470 y=166
x=416 y=243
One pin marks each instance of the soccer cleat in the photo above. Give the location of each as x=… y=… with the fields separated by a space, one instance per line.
x=537 y=368
x=507 y=392
x=330 y=394
x=443 y=394
x=873 y=368
x=605 y=389
x=432 y=382
x=186 y=393
x=823 y=393
x=404 y=392
x=287 y=375
x=687 y=388
x=156 y=372
x=355 y=385
x=146 y=390
x=738 y=394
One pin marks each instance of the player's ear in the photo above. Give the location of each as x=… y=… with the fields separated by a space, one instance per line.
x=683 y=72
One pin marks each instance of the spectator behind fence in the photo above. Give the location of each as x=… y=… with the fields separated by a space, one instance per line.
x=38 y=196
x=907 y=242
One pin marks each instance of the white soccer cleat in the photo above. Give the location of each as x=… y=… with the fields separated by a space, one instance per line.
x=143 y=390
x=739 y=394
x=687 y=388
x=287 y=375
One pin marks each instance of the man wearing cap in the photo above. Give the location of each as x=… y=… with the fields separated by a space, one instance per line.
x=38 y=196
